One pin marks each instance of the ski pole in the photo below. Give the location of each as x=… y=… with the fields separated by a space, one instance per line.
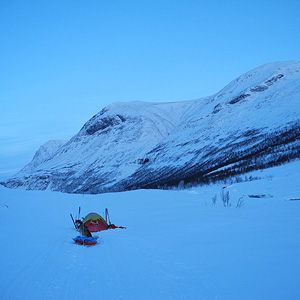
x=73 y=222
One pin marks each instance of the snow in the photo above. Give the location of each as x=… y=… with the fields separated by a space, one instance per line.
x=177 y=245
x=43 y=153
x=176 y=136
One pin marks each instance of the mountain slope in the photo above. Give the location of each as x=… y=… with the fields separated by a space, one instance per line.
x=252 y=123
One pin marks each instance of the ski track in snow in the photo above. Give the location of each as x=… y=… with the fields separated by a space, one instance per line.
x=67 y=271
x=53 y=284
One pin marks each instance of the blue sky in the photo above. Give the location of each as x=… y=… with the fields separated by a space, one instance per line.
x=62 y=61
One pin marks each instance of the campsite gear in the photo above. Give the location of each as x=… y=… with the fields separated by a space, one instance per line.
x=73 y=222
x=113 y=226
x=83 y=240
x=95 y=222
x=83 y=229
x=107 y=216
x=107 y=219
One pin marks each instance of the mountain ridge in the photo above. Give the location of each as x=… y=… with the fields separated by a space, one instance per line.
x=251 y=123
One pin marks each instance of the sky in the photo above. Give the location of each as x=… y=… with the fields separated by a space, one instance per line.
x=61 y=62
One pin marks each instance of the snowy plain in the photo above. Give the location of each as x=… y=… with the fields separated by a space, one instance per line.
x=177 y=244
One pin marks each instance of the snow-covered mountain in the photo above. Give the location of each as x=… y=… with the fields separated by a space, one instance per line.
x=254 y=122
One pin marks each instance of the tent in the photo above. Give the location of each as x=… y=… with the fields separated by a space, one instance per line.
x=95 y=222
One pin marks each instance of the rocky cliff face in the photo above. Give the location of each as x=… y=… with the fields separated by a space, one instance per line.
x=254 y=122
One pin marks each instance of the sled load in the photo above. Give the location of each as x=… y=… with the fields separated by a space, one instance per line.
x=83 y=240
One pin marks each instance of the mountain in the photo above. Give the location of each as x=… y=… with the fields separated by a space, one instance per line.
x=252 y=123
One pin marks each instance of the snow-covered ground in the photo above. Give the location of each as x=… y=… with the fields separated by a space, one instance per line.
x=177 y=244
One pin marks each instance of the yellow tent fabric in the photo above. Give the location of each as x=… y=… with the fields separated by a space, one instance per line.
x=94 y=219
